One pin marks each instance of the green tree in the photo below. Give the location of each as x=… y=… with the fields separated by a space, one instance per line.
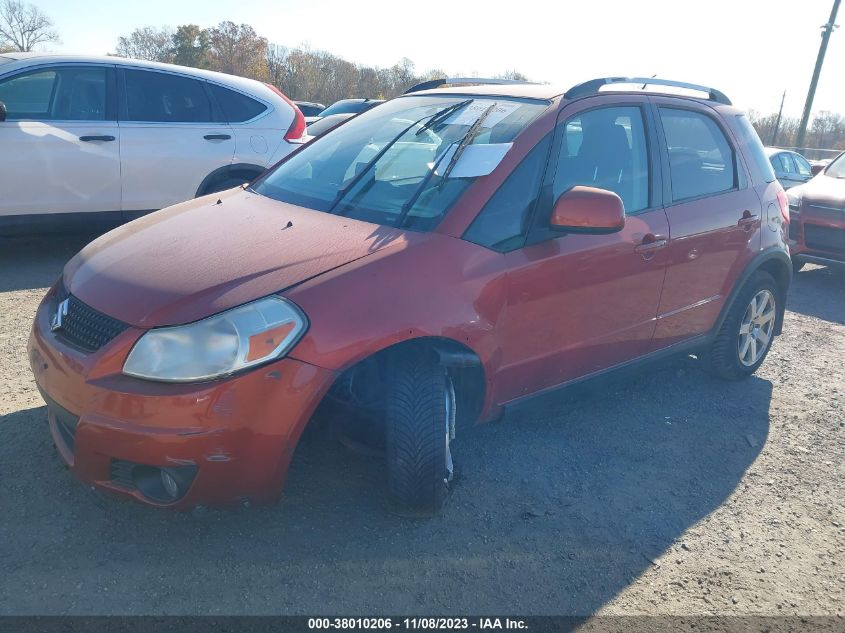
x=191 y=46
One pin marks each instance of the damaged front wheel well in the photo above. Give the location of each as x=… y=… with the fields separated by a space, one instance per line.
x=359 y=389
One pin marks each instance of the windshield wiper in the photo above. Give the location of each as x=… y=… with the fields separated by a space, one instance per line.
x=471 y=133
x=346 y=188
x=437 y=118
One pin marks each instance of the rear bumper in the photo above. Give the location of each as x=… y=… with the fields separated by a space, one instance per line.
x=237 y=435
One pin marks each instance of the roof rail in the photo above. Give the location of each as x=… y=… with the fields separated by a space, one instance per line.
x=465 y=81
x=593 y=86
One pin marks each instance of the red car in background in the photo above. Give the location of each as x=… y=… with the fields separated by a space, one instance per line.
x=817 y=218
x=427 y=264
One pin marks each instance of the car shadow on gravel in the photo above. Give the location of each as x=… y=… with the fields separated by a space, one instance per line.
x=819 y=291
x=557 y=509
x=36 y=261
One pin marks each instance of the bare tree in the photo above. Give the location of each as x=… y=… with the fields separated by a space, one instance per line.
x=24 y=26
x=150 y=43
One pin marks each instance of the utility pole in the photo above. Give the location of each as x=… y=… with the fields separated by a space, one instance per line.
x=827 y=29
x=777 y=122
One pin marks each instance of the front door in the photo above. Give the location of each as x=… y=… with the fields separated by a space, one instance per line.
x=60 y=144
x=581 y=303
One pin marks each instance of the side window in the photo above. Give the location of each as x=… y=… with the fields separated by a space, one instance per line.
x=605 y=148
x=236 y=107
x=29 y=96
x=57 y=94
x=164 y=98
x=504 y=221
x=802 y=165
x=701 y=160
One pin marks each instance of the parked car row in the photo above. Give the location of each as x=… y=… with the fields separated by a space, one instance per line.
x=428 y=264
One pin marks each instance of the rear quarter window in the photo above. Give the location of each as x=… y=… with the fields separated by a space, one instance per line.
x=236 y=107
x=748 y=135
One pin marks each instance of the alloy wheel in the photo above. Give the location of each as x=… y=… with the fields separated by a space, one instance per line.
x=756 y=328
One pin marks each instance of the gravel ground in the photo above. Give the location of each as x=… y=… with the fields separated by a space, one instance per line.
x=663 y=493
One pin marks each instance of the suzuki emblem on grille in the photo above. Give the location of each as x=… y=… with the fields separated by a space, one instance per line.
x=61 y=313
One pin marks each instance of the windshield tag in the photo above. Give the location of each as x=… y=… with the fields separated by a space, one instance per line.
x=477 y=160
x=470 y=114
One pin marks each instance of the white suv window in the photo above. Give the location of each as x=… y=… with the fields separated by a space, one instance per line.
x=165 y=98
x=56 y=94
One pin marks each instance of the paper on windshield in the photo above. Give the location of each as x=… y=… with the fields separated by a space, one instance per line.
x=469 y=114
x=476 y=160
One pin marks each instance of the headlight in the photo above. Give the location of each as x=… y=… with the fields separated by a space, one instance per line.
x=222 y=344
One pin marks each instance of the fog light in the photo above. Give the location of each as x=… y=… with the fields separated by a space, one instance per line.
x=170 y=485
x=164 y=485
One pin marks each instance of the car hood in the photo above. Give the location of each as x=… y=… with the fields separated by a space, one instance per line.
x=825 y=190
x=200 y=257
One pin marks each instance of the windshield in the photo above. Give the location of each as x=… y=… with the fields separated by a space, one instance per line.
x=837 y=168
x=391 y=165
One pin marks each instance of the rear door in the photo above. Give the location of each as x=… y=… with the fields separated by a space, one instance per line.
x=581 y=303
x=60 y=142
x=714 y=215
x=171 y=138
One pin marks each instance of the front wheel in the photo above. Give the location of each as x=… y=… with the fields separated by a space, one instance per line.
x=746 y=335
x=420 y=417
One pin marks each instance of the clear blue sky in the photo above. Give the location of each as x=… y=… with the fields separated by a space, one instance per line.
x=750 y=49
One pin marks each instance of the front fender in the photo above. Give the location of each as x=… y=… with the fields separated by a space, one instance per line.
x=434 y=287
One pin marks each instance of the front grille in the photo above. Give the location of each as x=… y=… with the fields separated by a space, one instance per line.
x=84 y=327
x=121 y=474
x=824 y=238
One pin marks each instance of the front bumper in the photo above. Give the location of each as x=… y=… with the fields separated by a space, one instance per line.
x=236 y=434
x=817 y=234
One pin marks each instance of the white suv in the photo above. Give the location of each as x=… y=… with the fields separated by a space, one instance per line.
x=95 y=141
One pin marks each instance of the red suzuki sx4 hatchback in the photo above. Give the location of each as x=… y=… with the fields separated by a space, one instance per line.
x=426 y=265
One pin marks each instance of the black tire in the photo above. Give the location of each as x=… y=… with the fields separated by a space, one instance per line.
x=797 y=265
x=216 y=186
x=723 y=357
x=418 y=425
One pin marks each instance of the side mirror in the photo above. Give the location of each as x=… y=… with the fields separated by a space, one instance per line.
x=815 y=169
x=588 y=210
x=2 y=111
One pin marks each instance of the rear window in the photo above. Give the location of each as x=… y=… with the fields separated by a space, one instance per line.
x=749 y=136
x=236 y=107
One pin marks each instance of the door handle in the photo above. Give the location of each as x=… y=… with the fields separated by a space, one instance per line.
x=651 y=243
x=88 y=139
x=747 y=221
x=217 y=137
